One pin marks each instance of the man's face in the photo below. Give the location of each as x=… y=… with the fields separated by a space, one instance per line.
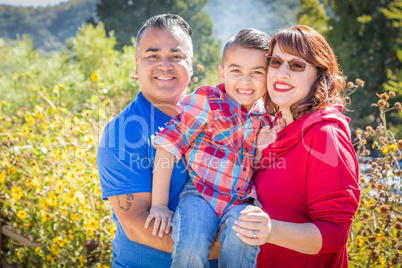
x=164 y=65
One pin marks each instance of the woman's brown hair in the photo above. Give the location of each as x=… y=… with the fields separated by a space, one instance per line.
x=307 y=44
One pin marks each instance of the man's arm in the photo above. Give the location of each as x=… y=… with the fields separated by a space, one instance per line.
x=132 y=210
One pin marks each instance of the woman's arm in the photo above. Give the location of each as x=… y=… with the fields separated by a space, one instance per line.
x=301 y=237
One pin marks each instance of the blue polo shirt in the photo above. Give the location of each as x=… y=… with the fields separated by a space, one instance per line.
x=125 y=161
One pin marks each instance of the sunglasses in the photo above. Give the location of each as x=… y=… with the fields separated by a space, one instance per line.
x=294 y=65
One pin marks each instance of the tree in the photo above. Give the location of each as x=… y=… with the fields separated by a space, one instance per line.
x=312 y=13
x=366 y=44
x=125 y=18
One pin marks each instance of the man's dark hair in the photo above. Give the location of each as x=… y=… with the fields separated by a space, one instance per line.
x=248 y=38
x=165 y=21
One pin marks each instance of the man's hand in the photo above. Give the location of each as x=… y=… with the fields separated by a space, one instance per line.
x=163 y=219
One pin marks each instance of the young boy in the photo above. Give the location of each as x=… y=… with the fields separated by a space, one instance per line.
x=216 y=131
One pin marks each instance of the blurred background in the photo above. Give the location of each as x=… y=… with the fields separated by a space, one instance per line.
x=366 y=35
x=67 y=68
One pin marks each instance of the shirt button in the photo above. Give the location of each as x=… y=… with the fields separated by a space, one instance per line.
x=246 y=150
x=244 y=169
x=238 y=188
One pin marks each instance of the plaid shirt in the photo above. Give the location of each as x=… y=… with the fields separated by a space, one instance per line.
x=217 y=136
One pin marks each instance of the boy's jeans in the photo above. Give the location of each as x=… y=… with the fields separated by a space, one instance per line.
x=195 y=226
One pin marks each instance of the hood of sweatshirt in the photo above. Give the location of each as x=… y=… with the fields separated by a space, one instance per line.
x=292 y=134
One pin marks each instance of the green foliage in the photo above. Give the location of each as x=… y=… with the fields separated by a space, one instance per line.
x=375 y=237
x=125 y=18
x=367 y=44
x=52 y=112
x=312 y=13
x=48 y=27
x=91 y=67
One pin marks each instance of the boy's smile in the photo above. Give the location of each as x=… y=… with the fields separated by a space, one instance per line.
x=244 y=73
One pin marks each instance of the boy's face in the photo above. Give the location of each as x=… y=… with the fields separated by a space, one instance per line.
x=244 y=73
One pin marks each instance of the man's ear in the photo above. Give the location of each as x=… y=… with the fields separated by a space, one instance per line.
x=136 y=72
x=221 y=74
x=191 y=62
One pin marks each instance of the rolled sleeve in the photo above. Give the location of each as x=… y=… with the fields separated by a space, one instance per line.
x=333 y=192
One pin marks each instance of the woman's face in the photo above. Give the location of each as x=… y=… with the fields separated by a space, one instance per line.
x=285 y=86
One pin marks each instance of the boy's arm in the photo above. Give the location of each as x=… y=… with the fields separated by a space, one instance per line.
x=163 y=167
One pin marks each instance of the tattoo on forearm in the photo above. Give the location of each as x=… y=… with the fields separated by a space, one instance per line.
x=127 y=204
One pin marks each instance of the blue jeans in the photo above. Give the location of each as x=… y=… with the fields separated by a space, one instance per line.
x=195 y=227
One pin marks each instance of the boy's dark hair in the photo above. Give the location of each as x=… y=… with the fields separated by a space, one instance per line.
x=164 y=21
x=248 y=38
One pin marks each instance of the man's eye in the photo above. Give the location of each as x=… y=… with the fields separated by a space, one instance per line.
x=235 y=71
x=177 y=57
x=153 y=57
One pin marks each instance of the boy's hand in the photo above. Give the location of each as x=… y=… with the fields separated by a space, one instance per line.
x=268 y=135
x=163 y=219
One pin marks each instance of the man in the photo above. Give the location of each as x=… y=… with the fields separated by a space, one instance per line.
x=125 y=157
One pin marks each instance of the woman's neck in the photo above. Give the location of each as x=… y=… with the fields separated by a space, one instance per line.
x=287 y=115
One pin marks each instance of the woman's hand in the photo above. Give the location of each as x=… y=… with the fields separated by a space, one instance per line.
x=253 y=226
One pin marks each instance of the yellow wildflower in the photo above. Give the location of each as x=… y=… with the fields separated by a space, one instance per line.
x=18 y=253
x=59 y=187
x=48 y=257
x=58 y=241
x=382 y=260
x=384 y=96
x=2 y=177
x=38 y=110
x=389 y=148
x=92 y=223
x=54 y=248
x=44 y=215
x=35 y=181
x=78 y=195
x=16 y=192
x=38 y=251
x=56 y=88
x=11 y=171
x=51 y=199
x=94 y=77
x=35 y=169
x=74 y=217
x=82 y=260
x=80 y=153
x=30 y=119
x=112 y=229
x=90 y=232
x=26 y=225
x=25 y=132
x=22 y=214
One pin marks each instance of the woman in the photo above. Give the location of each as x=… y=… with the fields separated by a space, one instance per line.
x=307 y=180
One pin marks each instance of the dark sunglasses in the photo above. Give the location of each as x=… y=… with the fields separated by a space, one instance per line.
x=294 y=65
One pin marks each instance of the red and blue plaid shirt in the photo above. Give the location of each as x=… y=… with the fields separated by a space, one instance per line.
x=218 y=137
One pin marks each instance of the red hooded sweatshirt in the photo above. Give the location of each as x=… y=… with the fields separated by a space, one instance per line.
x=310 y=174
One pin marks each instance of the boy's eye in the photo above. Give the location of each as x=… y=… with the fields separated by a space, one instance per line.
x=235 y=71
x=257 y=72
